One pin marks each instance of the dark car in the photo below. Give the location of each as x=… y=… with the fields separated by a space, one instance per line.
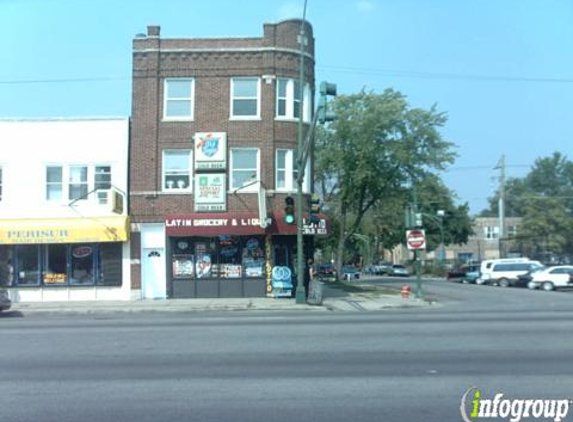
x=325 y=272
x=464 y=273
x=5 y=302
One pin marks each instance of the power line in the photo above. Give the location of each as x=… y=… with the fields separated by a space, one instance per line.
x=445 y=76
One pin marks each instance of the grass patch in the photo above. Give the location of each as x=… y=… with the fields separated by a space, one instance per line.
x=369 y=289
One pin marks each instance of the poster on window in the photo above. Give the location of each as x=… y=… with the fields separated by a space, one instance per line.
x=210 y=151
x=203 y=265
x=210 y=192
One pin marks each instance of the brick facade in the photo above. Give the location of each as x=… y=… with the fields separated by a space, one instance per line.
x=212 y=63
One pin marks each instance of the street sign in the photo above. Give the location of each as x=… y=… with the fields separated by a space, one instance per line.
x=415 y=239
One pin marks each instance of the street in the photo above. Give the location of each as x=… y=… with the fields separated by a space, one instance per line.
x=397 y=365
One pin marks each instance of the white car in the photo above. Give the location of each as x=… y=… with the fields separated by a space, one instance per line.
x=552 y=278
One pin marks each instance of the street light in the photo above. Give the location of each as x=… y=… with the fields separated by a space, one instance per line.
x=441 y=214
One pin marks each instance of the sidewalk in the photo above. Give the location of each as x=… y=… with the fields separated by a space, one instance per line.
x=349 y=302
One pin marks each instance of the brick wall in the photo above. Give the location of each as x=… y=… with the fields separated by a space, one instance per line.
x=211 y=62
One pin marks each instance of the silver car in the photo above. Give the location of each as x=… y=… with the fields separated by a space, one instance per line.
x=5 y=302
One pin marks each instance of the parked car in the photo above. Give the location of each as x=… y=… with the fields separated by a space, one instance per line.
x=505 y=272
x=325 y=272
x=382 y=268
x=552 y=278
x=350 y=272
x=467 y=273
x=399 y=270
x=5 y=302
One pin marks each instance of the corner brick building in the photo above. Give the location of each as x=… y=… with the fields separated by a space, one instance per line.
x=214 y=130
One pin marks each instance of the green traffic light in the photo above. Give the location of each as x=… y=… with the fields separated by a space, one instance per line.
x=289 y=219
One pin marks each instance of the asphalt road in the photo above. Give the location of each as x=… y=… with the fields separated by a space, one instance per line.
x=399 y=365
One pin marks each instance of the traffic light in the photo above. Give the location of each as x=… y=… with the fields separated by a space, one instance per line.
x=289 y=210
x=324 y=115
x=315 y=207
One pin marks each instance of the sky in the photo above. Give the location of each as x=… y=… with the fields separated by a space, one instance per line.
x=502 y=70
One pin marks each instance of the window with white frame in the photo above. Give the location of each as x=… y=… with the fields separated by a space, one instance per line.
x=178 y=99
x=285 y=175
x=491 y=232
x=244 y=169
x=245 y=98
x=54 y=183
x=102 y=182
x=75 y=182
x=177 y=170
x=78 y=183
x=512 y=231
x=288 y=100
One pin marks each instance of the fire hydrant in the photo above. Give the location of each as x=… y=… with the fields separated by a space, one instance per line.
x=406 y=290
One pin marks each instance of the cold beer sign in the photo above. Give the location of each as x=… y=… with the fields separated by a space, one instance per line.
x=415 y=239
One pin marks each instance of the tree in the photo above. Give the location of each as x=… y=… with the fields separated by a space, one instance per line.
x=377 y=148
x=544 y=198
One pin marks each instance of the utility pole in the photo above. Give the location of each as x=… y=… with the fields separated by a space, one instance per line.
x=300 y=289
x=501 y=205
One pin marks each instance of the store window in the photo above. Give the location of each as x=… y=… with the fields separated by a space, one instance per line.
x=6 y=265
x=177 y=170
x=285 y=172
x=63 y=264
x=245 y=169
x=218 y=257
x=28 y=268
x=178 y=104
x=289 y=102
x=245 y=94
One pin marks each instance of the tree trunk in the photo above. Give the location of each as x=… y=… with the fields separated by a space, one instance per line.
x=341 y=243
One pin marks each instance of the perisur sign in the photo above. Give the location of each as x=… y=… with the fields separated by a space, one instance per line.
x=210 y=151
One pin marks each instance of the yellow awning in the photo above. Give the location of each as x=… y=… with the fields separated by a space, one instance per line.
x=65 y=230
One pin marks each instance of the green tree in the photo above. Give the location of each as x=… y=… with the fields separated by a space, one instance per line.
x=544 y=198
x=376 y=147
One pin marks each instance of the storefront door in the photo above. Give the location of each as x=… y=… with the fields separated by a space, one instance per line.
x=153 y=272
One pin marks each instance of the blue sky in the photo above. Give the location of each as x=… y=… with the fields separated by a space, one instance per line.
x=501 y=69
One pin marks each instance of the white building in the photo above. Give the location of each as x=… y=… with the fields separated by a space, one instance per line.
x=64 y=229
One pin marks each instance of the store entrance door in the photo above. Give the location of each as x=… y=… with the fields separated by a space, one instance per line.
x=153 y=274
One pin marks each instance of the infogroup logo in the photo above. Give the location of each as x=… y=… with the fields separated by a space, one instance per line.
x=474 y=407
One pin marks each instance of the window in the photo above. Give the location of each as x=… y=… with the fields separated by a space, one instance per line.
x=78 y=264
x=102 y=183
x=82 y=181
x=245 y=94
x=491 y=232
x=289 y=102
x=54 y=184
x=178 y=103
x=511 y=231
x=177 y=170
x=244 y=168
x=78 y=183
x=285 y=172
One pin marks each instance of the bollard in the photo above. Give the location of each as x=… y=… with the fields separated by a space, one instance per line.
x=406 y=290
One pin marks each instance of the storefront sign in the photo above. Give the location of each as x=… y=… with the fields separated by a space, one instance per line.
x=210 y=192
x=214 y=224
x=64 y=230
x=210 y=151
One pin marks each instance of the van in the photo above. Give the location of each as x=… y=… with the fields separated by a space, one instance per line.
x=505 y=272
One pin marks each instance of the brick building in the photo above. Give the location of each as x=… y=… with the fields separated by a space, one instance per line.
x=214 y=127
